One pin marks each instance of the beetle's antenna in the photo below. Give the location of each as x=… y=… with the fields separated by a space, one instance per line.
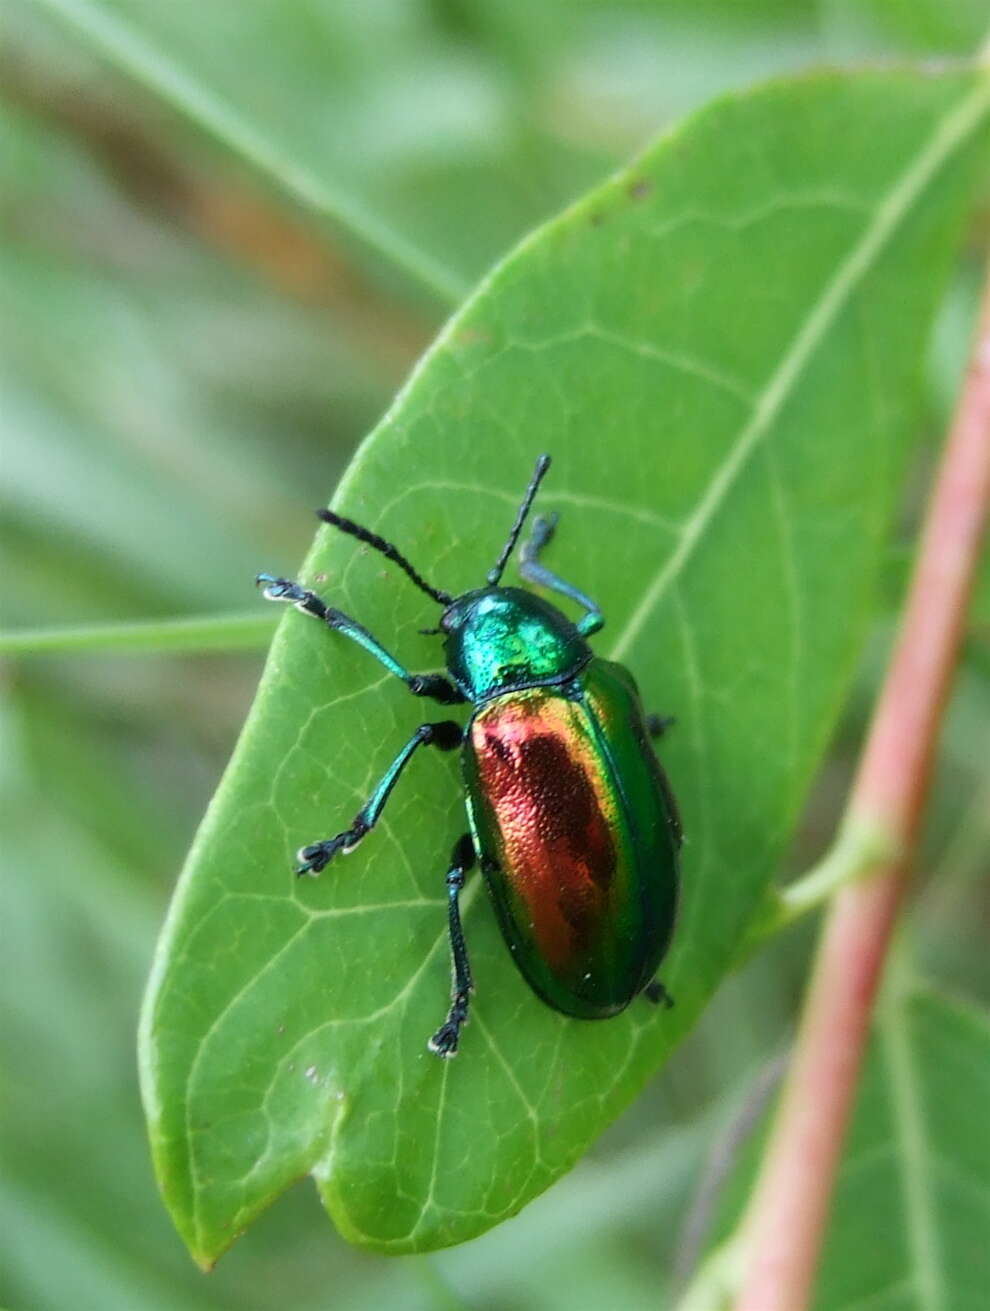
x=387 y=549
x=542 y=465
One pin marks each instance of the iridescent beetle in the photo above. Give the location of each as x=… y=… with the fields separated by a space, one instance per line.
x=571 y=817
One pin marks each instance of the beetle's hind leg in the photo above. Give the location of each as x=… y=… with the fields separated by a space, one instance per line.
x=658 y=994
x=444 y=1041
x=446 y=735
x=534 y=572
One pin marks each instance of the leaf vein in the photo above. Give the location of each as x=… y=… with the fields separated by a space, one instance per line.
x=913 y=1160
x=831 y=301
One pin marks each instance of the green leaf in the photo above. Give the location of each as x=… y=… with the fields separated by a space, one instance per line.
x=721 y=349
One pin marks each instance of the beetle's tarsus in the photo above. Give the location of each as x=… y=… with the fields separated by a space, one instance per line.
x=657 y=725
x=658 y=994
x=534 y=572
x=435 y=686
x=318 y=855
x=444 y=1041
x=277 y=589
x=284 y=589
x=544 y=527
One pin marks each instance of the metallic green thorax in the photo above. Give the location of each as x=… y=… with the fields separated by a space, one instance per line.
x=500 y=639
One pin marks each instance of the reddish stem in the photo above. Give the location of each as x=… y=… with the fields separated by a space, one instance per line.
x=784 y=1225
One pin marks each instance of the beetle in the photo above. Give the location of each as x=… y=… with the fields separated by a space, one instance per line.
x=570 y=814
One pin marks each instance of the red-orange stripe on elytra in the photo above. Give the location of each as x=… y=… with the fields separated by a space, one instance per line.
x=539 y=773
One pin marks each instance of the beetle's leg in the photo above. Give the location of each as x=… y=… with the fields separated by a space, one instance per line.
x=658 y=994
x=444 y=1041
x=435 y=686
x=534 y=572
x=446 y=735
x=657 y=725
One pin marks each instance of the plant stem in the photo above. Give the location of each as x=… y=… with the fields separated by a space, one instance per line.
x=722 y=1158
x=779 y=1238
x=855 y=852
x=206 y=633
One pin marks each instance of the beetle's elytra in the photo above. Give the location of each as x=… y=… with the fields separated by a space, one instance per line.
x=571 y=817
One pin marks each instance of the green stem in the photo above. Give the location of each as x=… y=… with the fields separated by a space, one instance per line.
x=861 y=846
x=124 y=46
x=209 y=633
x=715 y=1284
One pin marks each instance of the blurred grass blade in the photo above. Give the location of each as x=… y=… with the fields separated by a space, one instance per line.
x=721 y=348
x=124 y=43
x=209 y=633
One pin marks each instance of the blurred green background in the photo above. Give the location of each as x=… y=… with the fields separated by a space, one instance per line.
x=189 y=356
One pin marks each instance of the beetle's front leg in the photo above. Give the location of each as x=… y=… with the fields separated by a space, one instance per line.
x=312 y=859
x=434 y=686
x=444 y=1041
x=535 y=572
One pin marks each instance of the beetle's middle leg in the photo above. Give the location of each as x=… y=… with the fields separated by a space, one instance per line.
x=435 y=686
x=657 y=725
x=444 y=1041
x=534 y=572
x=446 y=735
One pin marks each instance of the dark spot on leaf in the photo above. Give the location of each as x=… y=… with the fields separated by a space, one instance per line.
x=640 y=188
x=473 y=337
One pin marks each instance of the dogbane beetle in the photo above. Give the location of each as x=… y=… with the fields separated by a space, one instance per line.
x=570 y=815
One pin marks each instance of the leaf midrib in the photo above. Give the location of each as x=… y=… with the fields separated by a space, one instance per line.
x=912 y=1158
x=953 y=131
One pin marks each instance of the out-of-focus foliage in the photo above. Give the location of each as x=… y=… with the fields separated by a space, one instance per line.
x=918 y=1159
x=187 y=362
x=445 y=129
x=885 y=27
x=911 y=1207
